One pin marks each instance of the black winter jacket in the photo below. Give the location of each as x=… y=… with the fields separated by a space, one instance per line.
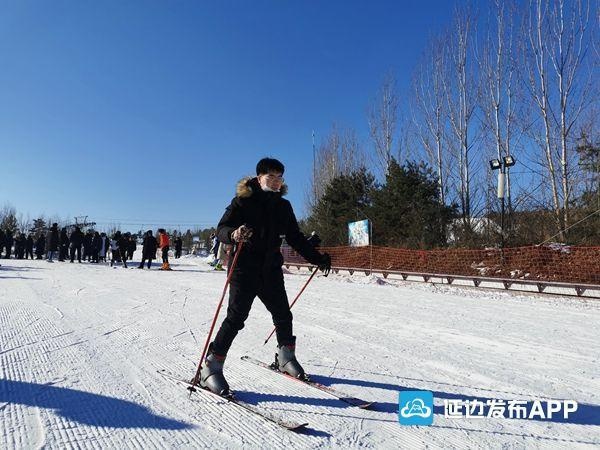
x=178 y=244
x=64 y=238
x=271 y=219
x=76 y=238
x=149 y=247
x=40 y=245
x=52 y=240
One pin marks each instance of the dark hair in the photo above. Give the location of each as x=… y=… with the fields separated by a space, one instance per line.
x=162 y=230
x=267 y=165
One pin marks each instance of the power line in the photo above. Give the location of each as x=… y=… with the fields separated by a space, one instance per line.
x=568 y=228
x=153 y=222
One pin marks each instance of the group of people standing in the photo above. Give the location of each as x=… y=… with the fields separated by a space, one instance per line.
x=23 y=245
x=162 y=242
x=92 y=246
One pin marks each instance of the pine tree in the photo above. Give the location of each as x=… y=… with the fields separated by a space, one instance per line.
x=39 y=227
x=346 y=198
x=8 y=219
x=407 y=211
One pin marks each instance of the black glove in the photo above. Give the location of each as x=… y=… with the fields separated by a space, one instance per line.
x=325 y=264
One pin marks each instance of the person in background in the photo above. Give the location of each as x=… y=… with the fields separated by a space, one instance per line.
x=214 y=249
x=52 y=241
x=40 y=246
x=20 y=243
x=222 y=256
x=87 y=245
x=29 y=247
x=148 y=249
x=2 y=237
x=63 y=248
x=123 y=246
x=163 y=244
x=178 y=247
x=115 y=250
x=96 y=244
x=76 y=241
x=104 y=246
x=8 y=243
x=132 y=245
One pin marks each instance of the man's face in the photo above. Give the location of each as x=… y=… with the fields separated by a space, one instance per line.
x=271 y=181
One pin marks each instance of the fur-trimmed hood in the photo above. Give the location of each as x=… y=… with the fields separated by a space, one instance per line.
x=245 y=189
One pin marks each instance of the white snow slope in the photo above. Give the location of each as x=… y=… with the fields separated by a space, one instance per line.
x=81 y=347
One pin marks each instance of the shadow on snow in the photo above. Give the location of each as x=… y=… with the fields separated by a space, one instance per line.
x=85 y=407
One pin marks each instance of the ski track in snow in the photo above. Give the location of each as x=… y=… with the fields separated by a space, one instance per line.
x=81 y=346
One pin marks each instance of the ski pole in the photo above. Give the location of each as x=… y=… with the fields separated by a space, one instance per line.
x=292 y=304
x=212 y=327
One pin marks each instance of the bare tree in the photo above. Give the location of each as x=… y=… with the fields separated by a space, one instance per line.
x=383 y=120
x=555 y=50
x=460 y=89
x=351 y=154
x=23 y=223
x=498 y=100
x=339 y=153
x=429 y=109
x=569 y=49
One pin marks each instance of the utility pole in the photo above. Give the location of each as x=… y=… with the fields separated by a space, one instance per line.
x=501 y=165
x=314 y=167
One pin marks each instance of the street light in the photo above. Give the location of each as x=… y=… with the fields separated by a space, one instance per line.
x=500 y=166
x=509 y=161
x=495 y=164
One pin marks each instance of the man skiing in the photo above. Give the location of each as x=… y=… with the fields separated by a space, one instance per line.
x=259 y=217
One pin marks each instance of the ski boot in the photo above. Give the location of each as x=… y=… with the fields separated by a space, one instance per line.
x=165 y=266
x=286 y=362
x=211 y=374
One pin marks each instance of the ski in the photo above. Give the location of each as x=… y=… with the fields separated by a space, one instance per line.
x=362 y=404
x=288 y=425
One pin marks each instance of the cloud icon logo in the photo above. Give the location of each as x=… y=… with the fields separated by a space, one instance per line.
x=416 y=408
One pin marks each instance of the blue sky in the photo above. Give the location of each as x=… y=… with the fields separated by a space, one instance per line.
x=150 y=111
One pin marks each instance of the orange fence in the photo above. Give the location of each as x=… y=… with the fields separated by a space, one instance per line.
x=544 y=263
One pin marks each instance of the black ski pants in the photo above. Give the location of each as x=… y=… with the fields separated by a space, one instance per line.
x=115 y=255
x=76 y=249
x=165 y=254
x=245 y=286
x=144 y=260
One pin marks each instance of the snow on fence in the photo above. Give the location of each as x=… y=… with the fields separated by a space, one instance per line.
x=551 y=263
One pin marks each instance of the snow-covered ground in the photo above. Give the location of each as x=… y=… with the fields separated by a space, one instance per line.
x=81 y=347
